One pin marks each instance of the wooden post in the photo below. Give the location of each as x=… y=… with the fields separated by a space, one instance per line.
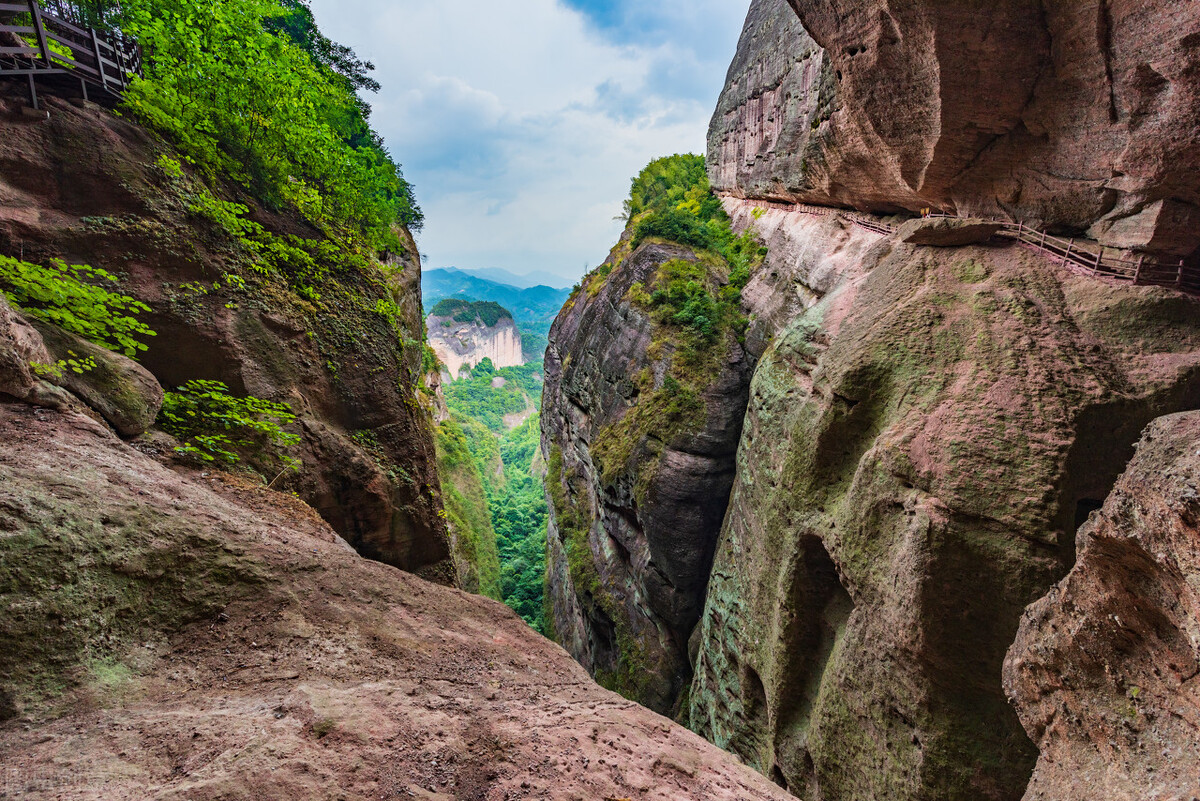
x=99 y=57
x=1099 y=259
x=119 y=47
x=33 y=99
x=1070 y=245
x=1043 y=238
x=1179 y=275
x=1137 y=271
x=36 y=10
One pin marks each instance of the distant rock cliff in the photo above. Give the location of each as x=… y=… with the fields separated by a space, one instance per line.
x=1079 y=115
x=464 y=333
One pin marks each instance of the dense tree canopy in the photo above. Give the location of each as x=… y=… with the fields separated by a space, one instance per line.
x=489 y=312
x=515 y=497
x=251 y=89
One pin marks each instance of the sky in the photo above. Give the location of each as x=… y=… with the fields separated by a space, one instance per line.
x=521 y=122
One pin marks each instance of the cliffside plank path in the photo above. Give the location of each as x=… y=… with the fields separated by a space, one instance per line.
x=54 y=42
x=1083 y=255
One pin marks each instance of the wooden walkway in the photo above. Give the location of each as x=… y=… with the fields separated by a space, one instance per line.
x=1082 y=255
x=35 y=42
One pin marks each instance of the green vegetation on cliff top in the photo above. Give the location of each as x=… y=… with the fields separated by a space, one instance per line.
x=250 y=90
x=468 y=311
x=695 y=305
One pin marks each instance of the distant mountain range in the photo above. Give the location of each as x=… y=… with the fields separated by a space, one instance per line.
x=533 y=308
x=501 y=276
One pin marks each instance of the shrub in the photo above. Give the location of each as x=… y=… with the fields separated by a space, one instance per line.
x=69 y=296
x=671 y=199
x=215 y=426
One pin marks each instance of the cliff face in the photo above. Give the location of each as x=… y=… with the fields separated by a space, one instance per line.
x=930 y=425
x=465 y=344
x=639 y=442
x=926 y=427
x=1074 y=115
x=85 y=187
x=1104 y=668
x=918 y=449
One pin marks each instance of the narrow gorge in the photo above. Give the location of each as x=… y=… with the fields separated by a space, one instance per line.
x=823 y=564
x=863 y=467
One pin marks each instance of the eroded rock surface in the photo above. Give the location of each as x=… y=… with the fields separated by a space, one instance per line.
x=640 y=453
x=85 y=187
x=947 y=231
x=919 y=448
x=119 y=389
x=194 y=637
x=458 y=344
x=1081 y=115
x=21 y=347
x=1104 y=671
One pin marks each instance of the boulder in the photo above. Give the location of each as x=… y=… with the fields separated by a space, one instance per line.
x=21 y=347
x=119 y=389
x=1104 y=669
x=947 y=231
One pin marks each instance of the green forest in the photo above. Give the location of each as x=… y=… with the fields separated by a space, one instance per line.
x=488 y=312
x=505 y=461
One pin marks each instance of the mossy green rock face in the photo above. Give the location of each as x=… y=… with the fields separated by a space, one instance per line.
x=918 y=451
x=468 y=518
x=119 y=389
x=639 y=433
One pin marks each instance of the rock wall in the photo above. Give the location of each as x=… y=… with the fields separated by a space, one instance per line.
x=919 y=447
x=1082 y=116
x=460 y=345
x=639 y=448
x=1104 y=669
x=84 y=187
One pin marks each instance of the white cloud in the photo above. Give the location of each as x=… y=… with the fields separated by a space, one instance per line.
x=521 y=123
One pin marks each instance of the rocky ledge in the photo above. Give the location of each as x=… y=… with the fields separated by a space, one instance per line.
x=190 y=636
x=1081 y=115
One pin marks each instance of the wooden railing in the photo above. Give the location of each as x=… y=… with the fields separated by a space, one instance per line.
x=35 y=42
x=1089 y=256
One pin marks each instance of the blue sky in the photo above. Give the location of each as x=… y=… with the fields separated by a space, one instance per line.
x=521 y=121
